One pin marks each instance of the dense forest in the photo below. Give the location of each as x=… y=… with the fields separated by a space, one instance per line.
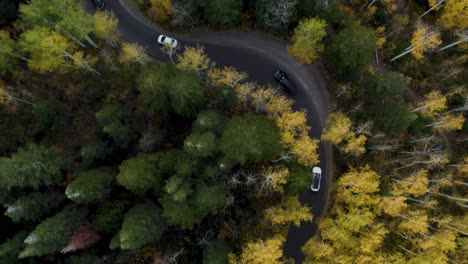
x=107 y=156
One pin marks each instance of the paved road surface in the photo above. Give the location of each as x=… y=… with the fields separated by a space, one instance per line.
x=260 y=56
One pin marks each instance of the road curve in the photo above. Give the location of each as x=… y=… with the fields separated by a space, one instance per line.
x=260 y=55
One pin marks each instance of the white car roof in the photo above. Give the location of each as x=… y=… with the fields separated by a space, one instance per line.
x=317 y=170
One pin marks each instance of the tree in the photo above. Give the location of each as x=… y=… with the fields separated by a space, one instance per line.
x=105 y=27
x=227 y=76
x=10 y=248
x=339 y=127
x=33 y=206
x=351 y=49
x=449 y=122
x=7 y=51
x=140 y=173
x=433 y=103
x=91 y=186
x=355 y=145
x=152 y=85
x=113 y=119
x=32 y=166
x=132 y=52
x=66 y=16
x=216 y=252
x=358 y=187
x=49 y=112
x=453 y=15
x=276 y=15
x=160 y=10
x=298 y=179
x=423 y=40
x=93 y=151
x=47 y=49
x=210 y=198
x=250 y=138
x=84 y=237
x=53 y=234
x=392 y=118
x=288 y=211
x=415 y=185
x=223 y=13
x=109 y=215
x=306 y=39
x=269 y=251
x=209 y=121
x=385 y=86
x=186 y=93
x=201 y=144
x=142 y=225
x=193 y=59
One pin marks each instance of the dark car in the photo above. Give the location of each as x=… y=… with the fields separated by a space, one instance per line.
x=99 y=4
x=283 y=79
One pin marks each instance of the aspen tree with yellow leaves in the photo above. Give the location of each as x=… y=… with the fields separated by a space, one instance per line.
x=132 y=52
x=434 y=102
x=289 y=210
x=160 y=10
x=193 y=59
x=424 y=39
x=260 y=252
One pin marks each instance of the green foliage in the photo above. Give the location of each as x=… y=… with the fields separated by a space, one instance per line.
x=188 y=212
x=91 y=186
x=391 y=85
x=142 y=225
x=323 y=9
x=49 y=112
x=109 y=215
x=114 y=121
x=178 y=188
x=201 y=144
x=351 y=49
x=153 y=83
x=250 y=138
x=420 y=125
x=31 y=167
x=299 y=179
x=225 y=97
x=223 y=13
x=307 y=39
x=177 y=162
x=53 y=234
x=68 y=15
x=10 y=249
x=161 y=86
x=392 y=118
x=7 y=46
x=216 y=252
x=33 y=207
x=209 y=121
x=187 y=94
x=83 y=258
x=93 y=151
x=140 y=173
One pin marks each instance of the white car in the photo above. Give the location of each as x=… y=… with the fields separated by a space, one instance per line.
x=316 y=178
x=165 y=40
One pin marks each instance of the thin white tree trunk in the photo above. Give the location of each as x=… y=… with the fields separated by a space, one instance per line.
x=462 y=40
x=432 y=8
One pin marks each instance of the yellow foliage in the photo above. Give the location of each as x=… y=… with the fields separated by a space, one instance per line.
x=132 y=52
x=454 y=14
x=160 y=10
x=450 y=122
x=434 y=102
x=414 y=223
x=275 y=178
x=393 y=206
x=289 y=210
x=373 y=239
x=424 y=40
x=105 y=25
x=359 y=187
x=355 y=145
x=279 y=105
x=291 y=125
x=228 y=75
x=390 y=5
x=416 y=184
x=316 y=249
x=193 y=59
x=261 y=252
x=305 y=149
x=339 y=128
x=462 y=168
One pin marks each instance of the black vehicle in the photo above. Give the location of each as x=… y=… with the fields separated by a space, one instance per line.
x=99 y=4
x=283 y=79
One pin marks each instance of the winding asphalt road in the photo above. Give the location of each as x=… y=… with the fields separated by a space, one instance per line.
x=260 y=55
